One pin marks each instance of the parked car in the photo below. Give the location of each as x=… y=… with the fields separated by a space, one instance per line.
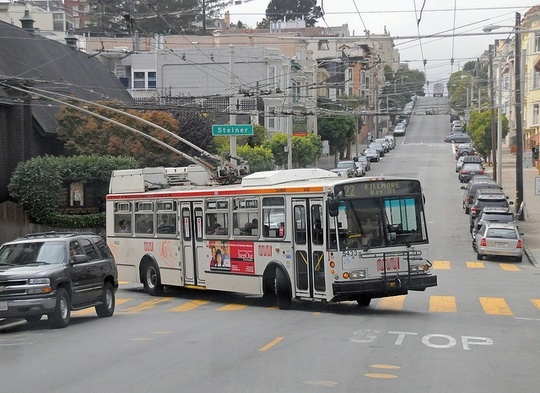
x=372 y=154
x=472 y=158
x=54 y=273
x=459 y=163
x=491 y=214
x=468 y=170
x=399 y=129
x=498 y=239
x=391 y=141
x=360 y=169
x=379 y=147
x=457 y=137
x=364 y=160
x=484 y=200
x=384 y=143
x=465 y=150
x=345 y=168
x=477 y=182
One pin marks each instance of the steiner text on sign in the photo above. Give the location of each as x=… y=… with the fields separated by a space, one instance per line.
x=232 y=129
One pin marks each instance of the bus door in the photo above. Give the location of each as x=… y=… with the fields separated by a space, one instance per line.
x=191 y=215
x=309 y=248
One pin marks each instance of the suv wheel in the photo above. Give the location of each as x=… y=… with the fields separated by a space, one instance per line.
x=106 y=308
x=61 y=315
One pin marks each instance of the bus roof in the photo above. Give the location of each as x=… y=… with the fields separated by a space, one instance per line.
x=305 y=180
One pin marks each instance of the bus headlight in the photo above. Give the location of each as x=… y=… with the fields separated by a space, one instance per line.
x=420 y=268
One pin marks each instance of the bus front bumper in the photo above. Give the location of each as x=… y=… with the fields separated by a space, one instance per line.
x=381 y=287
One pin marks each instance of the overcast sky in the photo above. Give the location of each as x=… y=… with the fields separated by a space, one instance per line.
x=400 y=17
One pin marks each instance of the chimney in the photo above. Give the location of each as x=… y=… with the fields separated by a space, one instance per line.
x=227 y=20
x=71 y=40
x=27 y=23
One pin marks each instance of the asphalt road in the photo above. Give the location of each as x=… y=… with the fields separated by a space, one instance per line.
x=477 y=331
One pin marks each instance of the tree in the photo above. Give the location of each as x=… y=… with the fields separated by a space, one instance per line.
x=339 y=130
x=259 y=158
x=84 y=135
x=292 y=9
x=305 y=150
x=196 y=128
x=154 y=16
x=479 y=129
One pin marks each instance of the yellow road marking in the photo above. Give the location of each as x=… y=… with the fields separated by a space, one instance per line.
x=475 y=265
x=189 y=306
x=442 y=304
x=391 y=303
x=271 y=344
x=328 y=384
x=495 y=306
x=536 y=302
x=386 y=366
x=441 y=265
x=147 y=305
x=382 y=376
x=232 y=307
x=509 y=268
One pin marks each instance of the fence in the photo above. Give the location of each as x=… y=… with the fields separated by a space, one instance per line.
x=14 y=223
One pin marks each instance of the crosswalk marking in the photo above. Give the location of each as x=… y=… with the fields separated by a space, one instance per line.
x=441 y=265
x=232 y=307
x=442 y=304
x=391 y=303
x=495 y=306
x=475 y=265
x=147 y=305
x=509 y=267
x=189 y=306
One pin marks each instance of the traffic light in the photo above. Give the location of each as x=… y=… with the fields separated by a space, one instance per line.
x=535 y=152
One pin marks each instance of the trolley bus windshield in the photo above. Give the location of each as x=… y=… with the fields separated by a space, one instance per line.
x=378 y=214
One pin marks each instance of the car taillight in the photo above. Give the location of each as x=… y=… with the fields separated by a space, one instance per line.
x=483 y=242
x=473 y=210
x=463 y=171
x=519 y=244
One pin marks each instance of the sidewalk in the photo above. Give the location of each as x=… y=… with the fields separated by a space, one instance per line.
x=529 y=227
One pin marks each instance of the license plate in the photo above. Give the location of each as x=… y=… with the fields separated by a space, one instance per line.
x=502 y=245
x=3 y=306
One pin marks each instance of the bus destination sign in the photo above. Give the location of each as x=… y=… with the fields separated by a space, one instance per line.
x=366 y=189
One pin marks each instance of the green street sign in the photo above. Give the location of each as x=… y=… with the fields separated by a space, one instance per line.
x=232 y=129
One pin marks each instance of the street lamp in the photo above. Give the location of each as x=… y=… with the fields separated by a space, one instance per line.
x=517 y=102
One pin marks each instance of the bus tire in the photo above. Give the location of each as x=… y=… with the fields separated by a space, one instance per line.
x=363 y=301
x=283 y=290
x=61 y=315
x=151 y=279
x=106 y=308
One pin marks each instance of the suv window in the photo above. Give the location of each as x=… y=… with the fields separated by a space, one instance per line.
x=102 y=247
x=89 y=250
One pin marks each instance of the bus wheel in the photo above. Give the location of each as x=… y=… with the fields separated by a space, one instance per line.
x=269 y=289
x=363 y=301
x=283 y=290
x=151 y=279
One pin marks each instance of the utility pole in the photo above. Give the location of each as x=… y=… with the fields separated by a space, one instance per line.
x=232 y=103
x=519 y=122
x=494 y=146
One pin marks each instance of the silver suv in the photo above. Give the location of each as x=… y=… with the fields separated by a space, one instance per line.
x=54 y=273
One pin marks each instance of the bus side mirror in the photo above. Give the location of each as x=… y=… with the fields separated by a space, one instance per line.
x=333 y=205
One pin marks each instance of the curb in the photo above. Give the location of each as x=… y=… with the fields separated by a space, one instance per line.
x=530 y=256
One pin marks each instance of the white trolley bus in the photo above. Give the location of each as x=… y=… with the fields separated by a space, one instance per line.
x=303 y=234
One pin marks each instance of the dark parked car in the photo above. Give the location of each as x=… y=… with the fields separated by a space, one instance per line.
x=484 y=200
x=54 y=273
x=492 y=214
x=458 y=137
x=468 y=170
x=475 y=184
x=372 y=154
x=465 y=150
x=364 y=160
